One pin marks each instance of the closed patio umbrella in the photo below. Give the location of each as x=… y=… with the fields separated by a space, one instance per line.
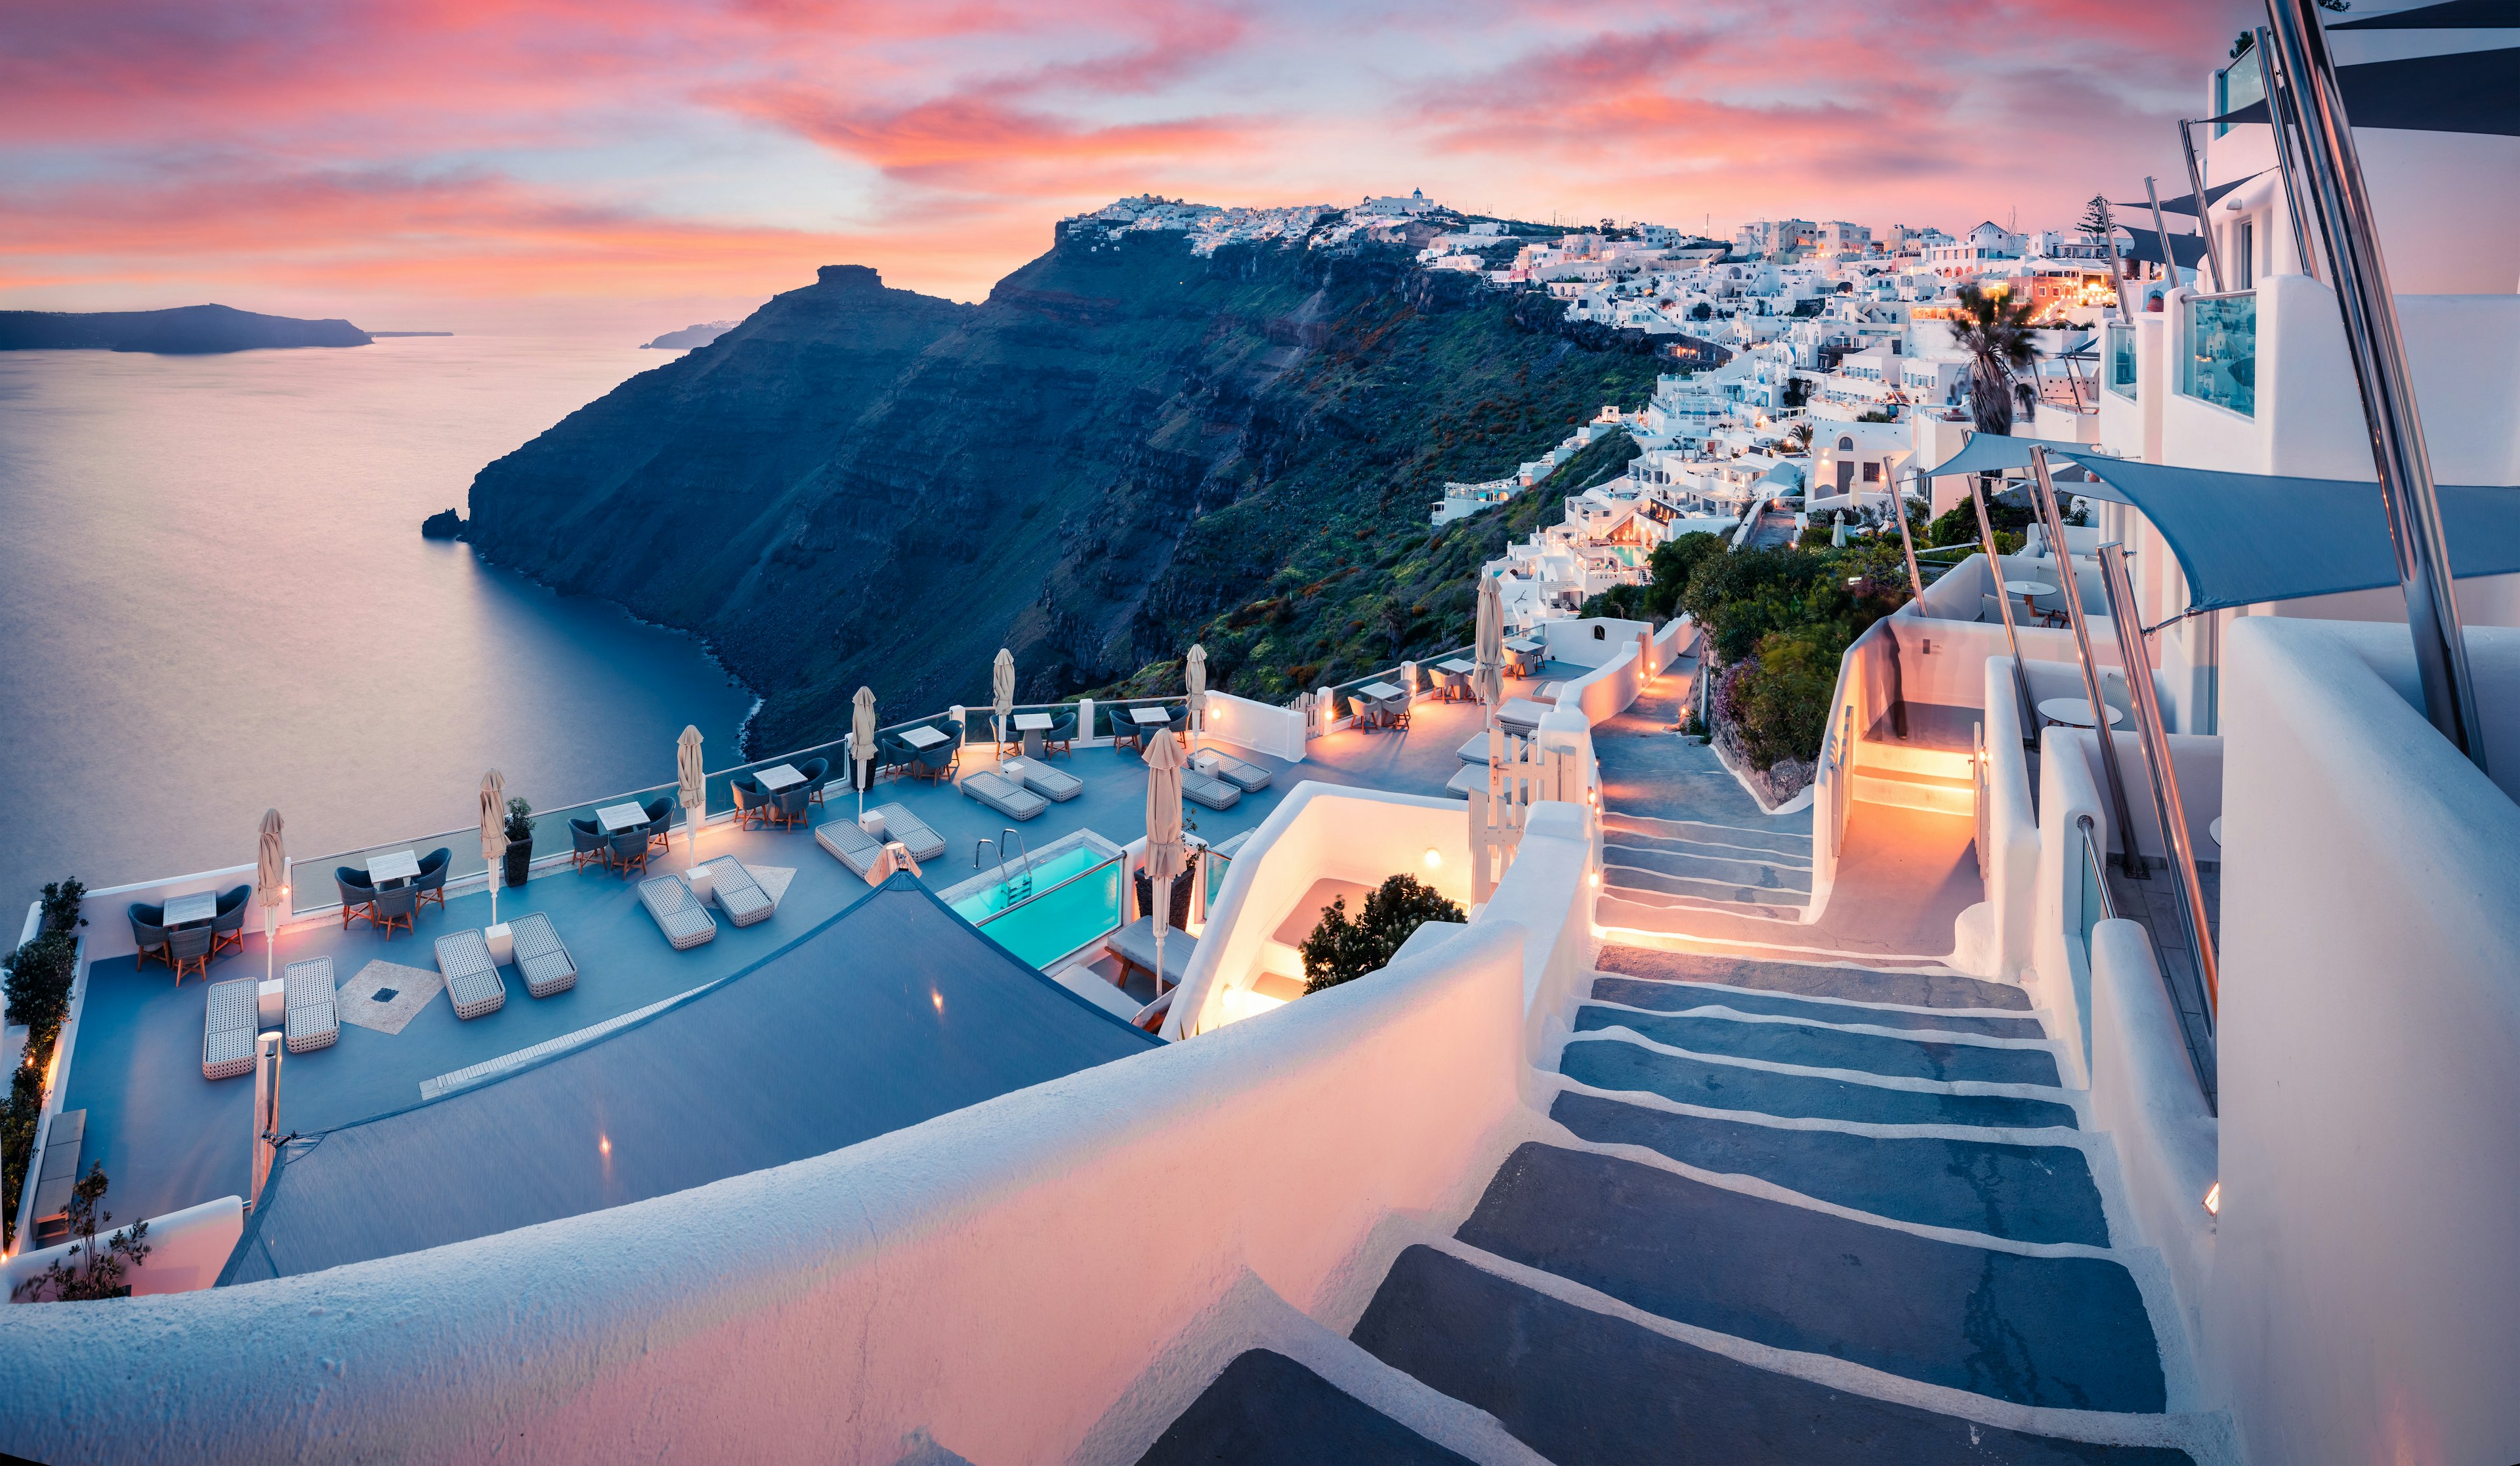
x=1489 y=655
x=1194 y=676
x=862 y=742
x=691 y=779
x=270 y=882
x=494 y=832
x=1166 y=856
x=1002 y=691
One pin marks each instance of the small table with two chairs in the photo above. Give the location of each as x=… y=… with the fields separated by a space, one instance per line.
x=1457 y=678
x=1035 y=728
x=1383 y=713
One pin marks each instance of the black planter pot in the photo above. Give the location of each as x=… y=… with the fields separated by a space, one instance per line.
x=519 y=856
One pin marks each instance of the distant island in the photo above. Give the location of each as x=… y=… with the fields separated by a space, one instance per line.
x=382 y=334
x=185 y=329
x=689 y=338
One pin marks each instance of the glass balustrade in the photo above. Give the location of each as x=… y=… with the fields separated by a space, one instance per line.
x=2121 y=373
x=2218 y=357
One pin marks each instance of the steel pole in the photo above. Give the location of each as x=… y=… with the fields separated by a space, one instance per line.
x=2153 y=736
x=2161 y=227
x=2204 y=219
x=2109 y=767
x=2288 y=147
x=2343 y=204
x=1907 y=541
x=2003 y=604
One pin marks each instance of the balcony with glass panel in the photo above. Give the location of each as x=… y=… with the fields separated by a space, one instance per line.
x=2218 y=351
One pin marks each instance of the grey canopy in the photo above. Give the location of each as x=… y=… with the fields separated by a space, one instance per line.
x=1995 y=453
x=891 y=1012
x=2147 y=247
x=2450 y=14
x=2245 y=538
x=2462 y=91
x=2185 y=204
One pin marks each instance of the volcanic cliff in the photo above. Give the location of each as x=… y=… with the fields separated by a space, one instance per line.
x=1124 y=449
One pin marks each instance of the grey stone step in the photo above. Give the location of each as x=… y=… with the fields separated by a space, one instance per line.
x=1791 y=844
x=2060 y=1332
x=1617 y=1065
x=1629 y=878
x=1659 y=911
x=1697 y=863
x=1810 y=1046
x=1267 y=1410
x=1588 y=1389
x=1682 y=998
x=2021 y=1193
x=1911 y=989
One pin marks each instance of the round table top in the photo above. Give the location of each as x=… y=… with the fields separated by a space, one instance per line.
x=2075 y=712
x=2030 y=588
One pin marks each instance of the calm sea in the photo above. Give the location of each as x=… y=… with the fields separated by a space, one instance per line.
x=214 y=599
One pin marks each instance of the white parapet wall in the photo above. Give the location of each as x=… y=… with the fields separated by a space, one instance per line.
x=1050 y=1275
x=186 y=1251
x=1317 y=831
x=2365 y=1299
x=1263 y=727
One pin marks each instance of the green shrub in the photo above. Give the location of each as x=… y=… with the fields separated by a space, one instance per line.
x=1341 y=950
x=38 y=987
x=1778 y=700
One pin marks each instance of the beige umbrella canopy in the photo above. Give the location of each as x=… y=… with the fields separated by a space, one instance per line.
x=270 y=881
x=1194 y=676
x=1165 y=856
x=691 y=781
x=1488 y=656
x=862 y=742
x=494 y=832
x=1001 y=689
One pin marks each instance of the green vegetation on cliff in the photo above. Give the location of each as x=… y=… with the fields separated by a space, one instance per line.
x=1124 y=450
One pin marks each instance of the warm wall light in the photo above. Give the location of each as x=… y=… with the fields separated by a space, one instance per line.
x=604 y=1143
x=2214 y=1200
x=1434 y=857
x=1597 y=877
x=938 y=999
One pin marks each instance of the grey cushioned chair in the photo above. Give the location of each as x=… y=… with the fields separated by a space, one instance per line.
x=752 y=802
x=149 y=933
x=660 y=825
x=227 y=928
x=395 y=907
x=788 y=807
x=1062 y=737
x=586 y=843
x=818 y=773
x=189 y=947
x=629 y=850
x=358 y=895
x=431 y=885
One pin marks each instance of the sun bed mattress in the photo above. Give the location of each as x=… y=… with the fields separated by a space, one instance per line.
x=227 y=1029
x=1003 y=795
x=541 y=959
x=309 y=1018
x=911 y=832
x=472 y=981
x=737 y=894
x=679 y=914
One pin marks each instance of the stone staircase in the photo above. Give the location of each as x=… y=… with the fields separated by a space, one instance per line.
x=1777 y=1212
x=1926 y=773
x=1656 y=871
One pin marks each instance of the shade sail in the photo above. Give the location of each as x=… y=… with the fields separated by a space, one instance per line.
x=2185 y=204
x=2463 y=91
x=2450 y=15
x=893 y=1011
x=2146 y=248
x=1993 y=453
x=2245 y=538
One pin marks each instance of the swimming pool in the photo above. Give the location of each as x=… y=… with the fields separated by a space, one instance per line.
x=1063 y=899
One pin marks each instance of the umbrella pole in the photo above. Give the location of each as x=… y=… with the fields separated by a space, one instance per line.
x=270 y=934
x=1162 y=916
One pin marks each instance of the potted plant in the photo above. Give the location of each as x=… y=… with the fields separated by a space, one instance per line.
x=520 y=840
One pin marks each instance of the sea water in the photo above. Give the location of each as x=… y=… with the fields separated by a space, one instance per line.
x=214 y=599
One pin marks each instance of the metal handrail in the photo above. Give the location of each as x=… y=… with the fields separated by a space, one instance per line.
x=1014 y=906
x=2108 y=903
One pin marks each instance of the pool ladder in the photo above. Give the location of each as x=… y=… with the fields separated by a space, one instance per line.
x=1016 y=890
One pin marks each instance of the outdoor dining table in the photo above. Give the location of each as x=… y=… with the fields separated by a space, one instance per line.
x=393 y=866
x=2075 y=712
x=2029 y=590
x=1456 y=677
x=778 y=777
x=192 y=907
x=1380 y=694
x=619 y=819
x=1033 y=726
x=917 y=737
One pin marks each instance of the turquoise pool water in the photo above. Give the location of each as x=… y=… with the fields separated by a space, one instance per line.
x=1064 y=903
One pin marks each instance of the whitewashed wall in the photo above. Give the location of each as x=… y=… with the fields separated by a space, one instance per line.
x=1277 y=731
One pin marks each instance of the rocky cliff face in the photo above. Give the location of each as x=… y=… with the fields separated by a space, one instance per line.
x=1121 y=451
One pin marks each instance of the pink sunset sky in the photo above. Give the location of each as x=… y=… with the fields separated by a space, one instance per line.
x=638 y=164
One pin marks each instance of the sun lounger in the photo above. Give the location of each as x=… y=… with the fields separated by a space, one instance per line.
x=849 y=845
x=1471 y=776
x=910 y=832
x=1521 y=715
x=472 y=981
x=227 y=1029
x=1003 y=795
x=1043 y=780
x=1135 y=944
x=308 y=1019
x=1215 y=794
x=679 y=914
x=737 y=894
x=541 y=960
x=1250 y=779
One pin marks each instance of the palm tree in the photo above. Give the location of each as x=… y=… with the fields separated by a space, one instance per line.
x=1996 y=333
x=1800 y=435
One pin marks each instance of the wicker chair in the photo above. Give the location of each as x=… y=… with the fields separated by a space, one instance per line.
x=189 y=947
x=149 y=933
x=788 y=807
x=358 y=895
x=586 y=843
x=431 y=885
x=660 y=825
x=227 y=930
x=936 y=763
x=394 y=907
x=818 y=773
x=1061 y=737
x=752 y=802
x=629 y=850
